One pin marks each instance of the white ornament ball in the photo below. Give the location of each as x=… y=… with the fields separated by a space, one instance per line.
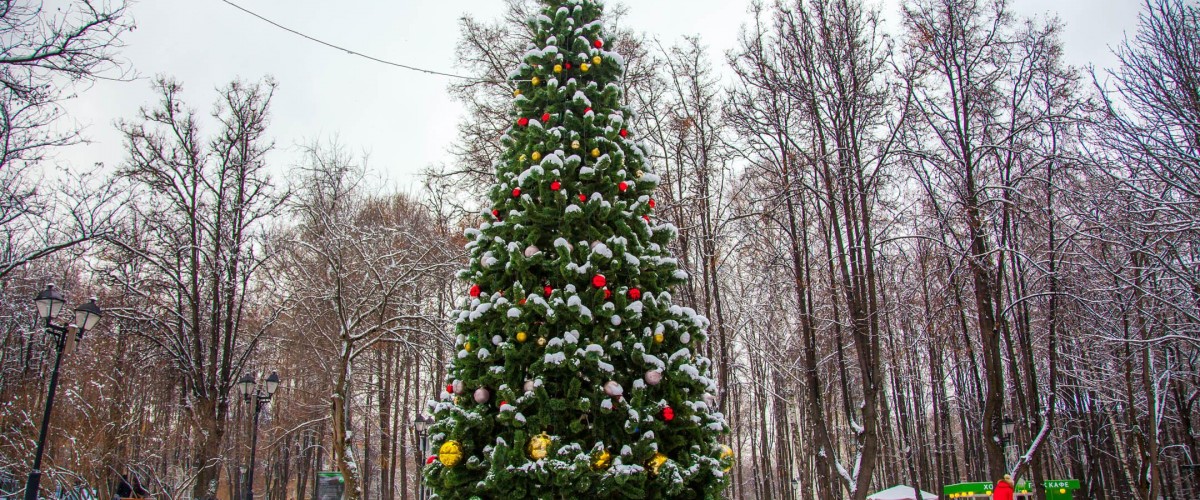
x=528 y=386
x=532 y=250
x=458 y=387
x=496 y=340
x=685 y=338
x=613 y=389
x=482 y=395
x=653 y=377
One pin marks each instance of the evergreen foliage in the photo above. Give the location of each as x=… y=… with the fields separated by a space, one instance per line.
x=568 y=341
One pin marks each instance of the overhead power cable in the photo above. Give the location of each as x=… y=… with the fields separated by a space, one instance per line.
x=344 y=49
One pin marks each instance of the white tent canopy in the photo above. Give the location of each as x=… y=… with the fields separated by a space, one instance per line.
x=902 y=493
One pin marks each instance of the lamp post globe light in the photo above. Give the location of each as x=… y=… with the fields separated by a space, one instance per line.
x=421 y=423
x=1006 y=435
x=259 y=397
x=49 y=304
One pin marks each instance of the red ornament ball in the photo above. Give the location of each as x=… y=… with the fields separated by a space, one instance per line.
x=583 y=197
x=635 y=294
x=450 y=388
x=668 y=414
x=548 y=290
x=555 y=186
x=587 y=110
x=646 y=218
x=474 y=290
x=624 y=133
x=545 y=117
x=567 y=66
x=598 y=43
x=607 y=293
x=623 y=186
x=496 y=214
x=599 y=281
x=516 y=192
x=523 y=121
x=431 y=459
x=651 y=202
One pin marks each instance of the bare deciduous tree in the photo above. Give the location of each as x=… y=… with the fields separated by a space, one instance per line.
x=44 y=54
x=197 y=231
x=359 y=268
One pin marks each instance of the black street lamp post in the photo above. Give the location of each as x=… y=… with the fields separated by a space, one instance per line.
x=260 y=398
x=1006 y=436
x=422 y=423
x=49 y=304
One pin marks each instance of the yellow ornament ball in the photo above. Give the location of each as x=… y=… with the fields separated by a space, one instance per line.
x=595 y=152
x=727 y=457
x=536 y=156
x=584 y=67
x=541 y=341
x=535 y=81
x=558 y=68
x=450 y=454
x=601 y=460
x=467 y=346
x=516 y=92
x=656 y=462
x=522 y=158
x=521 y=336
x=574 y=144
x=539 y=446
x=658 y=338
x=596 y=60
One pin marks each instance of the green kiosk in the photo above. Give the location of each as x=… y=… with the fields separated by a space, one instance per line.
x=1056 y=489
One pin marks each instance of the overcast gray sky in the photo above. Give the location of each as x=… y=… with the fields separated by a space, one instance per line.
x=405 y=120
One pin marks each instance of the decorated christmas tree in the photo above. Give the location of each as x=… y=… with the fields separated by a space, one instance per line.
x=575 y=375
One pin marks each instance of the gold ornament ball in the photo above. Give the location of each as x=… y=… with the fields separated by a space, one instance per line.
x=516 y=92
x=727 y=457
x=658 y=338
x=574 y=144
x=595 y=152
x=521 y=336
x=535 y=81
x=657 y=462
x=638 y=174
x=450 y=454
x=536 y=156
x=467 y=346
x=539 y=446
x=584 y=67
x=558 y=68
x=601 y=460
x=541 y=341
x=596 y=60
